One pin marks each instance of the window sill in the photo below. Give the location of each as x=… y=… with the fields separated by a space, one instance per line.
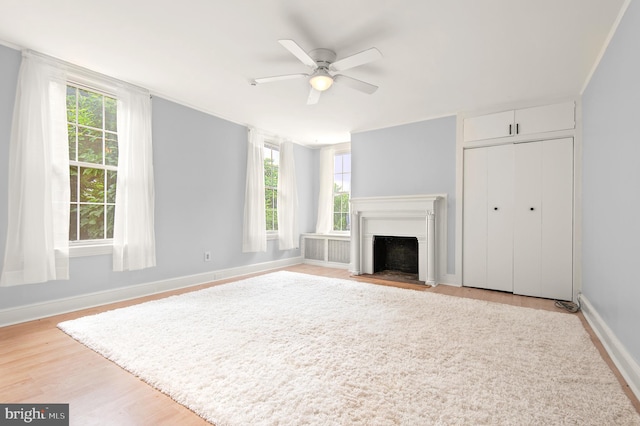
x=82 y=250
x=272 y=236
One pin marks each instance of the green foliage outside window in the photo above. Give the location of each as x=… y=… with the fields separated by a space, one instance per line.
x=93 y=158
x=271 y=165
x=341 y=191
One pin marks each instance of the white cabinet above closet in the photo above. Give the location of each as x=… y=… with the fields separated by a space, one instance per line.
x=520 y=122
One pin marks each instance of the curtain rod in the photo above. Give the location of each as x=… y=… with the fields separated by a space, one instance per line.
x=84 y=72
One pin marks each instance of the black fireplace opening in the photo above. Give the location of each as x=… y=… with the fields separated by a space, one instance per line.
x=397 y=255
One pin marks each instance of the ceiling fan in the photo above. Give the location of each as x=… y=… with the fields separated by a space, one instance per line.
x=325 y=68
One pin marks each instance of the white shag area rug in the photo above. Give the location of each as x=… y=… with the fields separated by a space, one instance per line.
x=295 y=349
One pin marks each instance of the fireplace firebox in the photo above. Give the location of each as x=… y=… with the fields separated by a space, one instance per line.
x=395 y=254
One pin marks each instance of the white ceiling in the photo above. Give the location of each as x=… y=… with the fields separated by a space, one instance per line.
x=440 y=57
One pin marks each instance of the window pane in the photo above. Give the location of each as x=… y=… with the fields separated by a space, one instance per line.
x=337 y=163
x=337 y=182
x=73 y=183
x=71 y=104
x=269 y=198
x=110 y=219
x=91 y=221
x=73 y=222
x=89 y=109
x=112 y=178
x=91 y=185
x=272 y=219
x=344 y=205
x=336 y=203
x=110 y=116
x=89 y=145
x=111 y=149
x=276 y=157
x=73 y=150
x=346 y=163
x=346 y=182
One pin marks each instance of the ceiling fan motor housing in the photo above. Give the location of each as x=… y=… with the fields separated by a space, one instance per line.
x=323 y=57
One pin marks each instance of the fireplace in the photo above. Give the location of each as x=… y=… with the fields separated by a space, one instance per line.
x=395 y=254
x=406 y=216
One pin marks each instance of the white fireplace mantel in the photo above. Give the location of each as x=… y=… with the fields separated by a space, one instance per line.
x=401 y=216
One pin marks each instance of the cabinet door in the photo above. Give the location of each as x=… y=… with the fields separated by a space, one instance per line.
x=546 y=118
x=543 y=231
x=488 y=218
x=488 y=126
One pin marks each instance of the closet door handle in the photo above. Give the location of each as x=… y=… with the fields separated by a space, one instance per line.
x=510 y=125
x=517 y=128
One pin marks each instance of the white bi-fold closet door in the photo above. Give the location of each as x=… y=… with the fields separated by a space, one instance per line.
x=518 y=218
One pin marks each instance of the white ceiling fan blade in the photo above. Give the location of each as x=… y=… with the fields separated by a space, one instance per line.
x=277 y=78
x=299 y=53
x=358 y=59
x=314 y=96
x=355 y=84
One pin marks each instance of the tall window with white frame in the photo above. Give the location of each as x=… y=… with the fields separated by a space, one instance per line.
x=341 y=191
x=93 y=160
x=271 y=166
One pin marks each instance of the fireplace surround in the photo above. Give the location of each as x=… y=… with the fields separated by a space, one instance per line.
x=402 y=216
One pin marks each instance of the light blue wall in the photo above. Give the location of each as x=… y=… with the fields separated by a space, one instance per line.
x=611 y=184
x=412 y=159
x=200 y=163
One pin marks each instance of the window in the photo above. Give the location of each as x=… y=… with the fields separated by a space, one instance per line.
x=271 y=165
x=341 y=191
x=93 y=163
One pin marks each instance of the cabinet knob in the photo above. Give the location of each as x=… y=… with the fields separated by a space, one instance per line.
x=495 y=208
x=532 y=209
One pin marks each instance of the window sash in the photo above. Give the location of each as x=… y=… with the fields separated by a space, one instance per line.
x=272 y=152
x=106 y=207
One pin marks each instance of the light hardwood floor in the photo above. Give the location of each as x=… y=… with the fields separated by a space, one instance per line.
x=41 y=364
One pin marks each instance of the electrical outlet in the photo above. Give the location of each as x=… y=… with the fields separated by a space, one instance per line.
x=207 y=256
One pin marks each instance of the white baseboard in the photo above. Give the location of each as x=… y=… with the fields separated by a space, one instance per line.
x=326 y=264
x=628 y=367
x=36 y=311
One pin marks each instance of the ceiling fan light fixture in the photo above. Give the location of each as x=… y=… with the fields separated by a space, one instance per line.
x=321 y=80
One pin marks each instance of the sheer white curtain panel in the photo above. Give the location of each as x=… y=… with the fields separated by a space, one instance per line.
x=254 y=231
x=288 y=235
x=37 y=245
x=133 y=231
x=324 y=225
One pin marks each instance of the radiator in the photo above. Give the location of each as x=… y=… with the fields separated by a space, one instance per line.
x=326 y=250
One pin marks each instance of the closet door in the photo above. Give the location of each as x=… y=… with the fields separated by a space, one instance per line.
x=543 y=232
x=500 y=167
x=488 y=218
x=527 y=236
x=475 y=210
x=557 y=219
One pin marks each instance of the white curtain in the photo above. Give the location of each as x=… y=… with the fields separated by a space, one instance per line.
x=324 y=224
x=254 y=232
x=288 y=235
x=37 y=245
x=133 y=233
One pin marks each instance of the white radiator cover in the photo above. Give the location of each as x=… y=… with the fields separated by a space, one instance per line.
x=331 y=250
x=404 y=216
